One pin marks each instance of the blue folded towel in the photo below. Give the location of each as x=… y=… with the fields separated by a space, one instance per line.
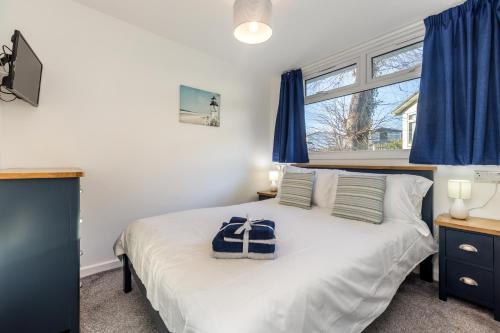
x=220 y=245
x=261 y=229
x=236 y=219
x=241 y=239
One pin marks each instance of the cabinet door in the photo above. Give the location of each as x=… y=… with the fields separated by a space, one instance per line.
x=37 y=259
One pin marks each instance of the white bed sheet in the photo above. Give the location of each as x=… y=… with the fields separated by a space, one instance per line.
x=330 y=275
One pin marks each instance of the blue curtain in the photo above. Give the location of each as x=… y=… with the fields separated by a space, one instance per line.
x=459 y=105
x=290 y=131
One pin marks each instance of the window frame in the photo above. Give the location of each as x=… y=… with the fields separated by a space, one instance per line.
x=345 y=63
x=363 y=54
x=400 y=76
x=411 y=127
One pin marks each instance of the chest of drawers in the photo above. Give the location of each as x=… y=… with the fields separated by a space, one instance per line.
x=469 y=261
x=39 y=251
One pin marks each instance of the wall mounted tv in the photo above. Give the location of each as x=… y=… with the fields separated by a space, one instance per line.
x=24 y=70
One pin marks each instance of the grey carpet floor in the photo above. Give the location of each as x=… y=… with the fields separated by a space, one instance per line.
x=415 y=308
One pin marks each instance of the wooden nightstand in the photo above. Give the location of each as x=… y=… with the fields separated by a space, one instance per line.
x=469 y=260
x=264 y=195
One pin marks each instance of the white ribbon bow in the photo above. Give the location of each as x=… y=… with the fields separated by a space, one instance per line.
x=246 y=227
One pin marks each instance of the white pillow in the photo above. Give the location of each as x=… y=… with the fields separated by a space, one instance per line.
x=325 y=185
x=325 y=189
x=404 y=196
x=403 y=200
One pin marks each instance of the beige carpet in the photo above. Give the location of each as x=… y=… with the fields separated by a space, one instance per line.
x=415 y=308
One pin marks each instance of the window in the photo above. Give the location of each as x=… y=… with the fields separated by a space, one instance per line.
x=331 y=81
x=368 y=120
x=412 y=121
x=370 y=105
x=406 y=58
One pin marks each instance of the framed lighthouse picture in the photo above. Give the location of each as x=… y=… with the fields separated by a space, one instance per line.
x=199 y=107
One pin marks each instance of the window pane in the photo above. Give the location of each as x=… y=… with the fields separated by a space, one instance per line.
x=412 y=121
x=330 y=81
x=398 y=60
x=376 y=119
x=411 y=132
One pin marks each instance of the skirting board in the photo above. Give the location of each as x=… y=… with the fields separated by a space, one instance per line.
x=100 y=267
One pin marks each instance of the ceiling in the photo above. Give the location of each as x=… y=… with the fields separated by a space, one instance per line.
x=303 y=30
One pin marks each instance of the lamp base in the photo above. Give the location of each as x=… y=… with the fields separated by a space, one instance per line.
x=458 y=210
x=274 y=186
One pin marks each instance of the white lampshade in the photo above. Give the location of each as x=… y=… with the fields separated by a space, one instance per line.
x=459 y=189
x=274 y=175
x=252 y=20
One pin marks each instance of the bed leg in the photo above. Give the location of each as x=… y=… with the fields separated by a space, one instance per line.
x=127 y=276
x=426 y=269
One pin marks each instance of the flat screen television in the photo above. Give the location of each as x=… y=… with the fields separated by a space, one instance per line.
x=25 y=71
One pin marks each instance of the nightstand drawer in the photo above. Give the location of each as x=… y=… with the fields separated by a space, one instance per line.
x=471 y=248
x=264 y=195
x=470 y=283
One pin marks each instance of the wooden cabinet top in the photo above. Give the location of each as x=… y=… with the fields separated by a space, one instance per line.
x=475 y=224
x=269 y=194
x=40 y=173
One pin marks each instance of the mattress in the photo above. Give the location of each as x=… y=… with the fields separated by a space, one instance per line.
x=329 y=275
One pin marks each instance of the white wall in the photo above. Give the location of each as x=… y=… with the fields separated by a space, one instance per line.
x=109 y=104
x=481 y=192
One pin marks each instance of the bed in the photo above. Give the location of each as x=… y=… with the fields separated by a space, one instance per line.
x=330 y=275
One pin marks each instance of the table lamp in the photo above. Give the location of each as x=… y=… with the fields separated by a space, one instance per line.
x=459 y=190
x=273 y=177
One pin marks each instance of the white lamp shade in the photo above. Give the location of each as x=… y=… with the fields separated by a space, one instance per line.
x=252 y=20
x=274 y=175
x=459 y=189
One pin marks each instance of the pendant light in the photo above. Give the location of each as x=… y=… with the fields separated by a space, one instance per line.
x=252 y=20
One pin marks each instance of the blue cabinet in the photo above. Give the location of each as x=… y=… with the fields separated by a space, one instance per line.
x=39 y=255
x=469 y=262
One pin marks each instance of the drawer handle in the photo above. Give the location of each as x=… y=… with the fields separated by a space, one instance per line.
x=468 y=281
x=468 y=248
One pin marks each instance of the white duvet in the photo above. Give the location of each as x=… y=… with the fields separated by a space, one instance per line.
x=330 y=275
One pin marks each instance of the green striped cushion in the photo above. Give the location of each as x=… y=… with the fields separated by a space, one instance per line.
x=360 y=198
x=296 y=189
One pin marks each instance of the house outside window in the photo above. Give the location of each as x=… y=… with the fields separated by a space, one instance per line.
x=365 y=99
x=408 y=110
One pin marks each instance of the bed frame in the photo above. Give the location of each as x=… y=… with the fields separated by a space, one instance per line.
x=128 y=271
x=427 y=216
